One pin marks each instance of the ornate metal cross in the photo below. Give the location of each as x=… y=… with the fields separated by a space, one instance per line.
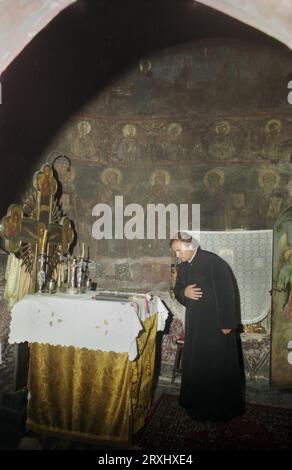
x=38 y=224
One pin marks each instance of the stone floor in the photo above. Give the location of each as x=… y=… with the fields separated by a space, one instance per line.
x=257 y=390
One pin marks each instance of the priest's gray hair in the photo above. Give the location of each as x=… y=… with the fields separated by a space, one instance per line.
x=187 y=239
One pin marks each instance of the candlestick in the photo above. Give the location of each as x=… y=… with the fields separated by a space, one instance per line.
x=72 y=289
x=80 y=275
x=41 y=276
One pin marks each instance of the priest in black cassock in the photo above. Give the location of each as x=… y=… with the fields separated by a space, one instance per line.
x=211 y=387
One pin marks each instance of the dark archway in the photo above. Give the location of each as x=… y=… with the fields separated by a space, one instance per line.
x=79 y=53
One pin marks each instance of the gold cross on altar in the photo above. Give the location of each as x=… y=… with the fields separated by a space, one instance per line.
x=38 y=222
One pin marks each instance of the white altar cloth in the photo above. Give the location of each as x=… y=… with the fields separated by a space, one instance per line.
x=83 y=322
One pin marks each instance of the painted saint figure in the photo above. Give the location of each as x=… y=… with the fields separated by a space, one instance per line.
x=46 y=182
x=213 y=209
x=83 y=144
x=173 y=148
x=222 y=147
x=12 y=224
x=268 y=180
x=237 y=215
x=129 y=149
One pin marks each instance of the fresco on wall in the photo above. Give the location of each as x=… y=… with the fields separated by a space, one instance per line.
x=186 y=140
x=180 y=127
x=82 y=144
x=206 y=77
x=281 y=369
x=271 y=141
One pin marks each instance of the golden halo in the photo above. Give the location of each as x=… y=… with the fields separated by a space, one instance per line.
x=105 y=172
x=87 y=126
x=146 y=62
x=63 y=173
x=176 y=126
x=277 y=123
x=127 y=128
x=159 y=173
x=214 y=171
x=220 y=125
x=262 y=173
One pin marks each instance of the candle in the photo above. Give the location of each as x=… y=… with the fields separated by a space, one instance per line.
x=68 y=272
x=82 y=255
x=59 y=276
x=44 y=241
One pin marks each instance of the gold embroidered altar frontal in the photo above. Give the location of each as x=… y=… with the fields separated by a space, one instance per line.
x=93 y=395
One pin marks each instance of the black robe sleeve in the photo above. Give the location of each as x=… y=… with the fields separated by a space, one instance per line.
x=180 y=286
x=225 y=294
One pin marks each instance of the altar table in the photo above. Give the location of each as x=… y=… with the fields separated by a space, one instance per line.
x=91 y=363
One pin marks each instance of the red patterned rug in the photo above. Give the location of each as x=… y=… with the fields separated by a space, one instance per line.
x=261 y=427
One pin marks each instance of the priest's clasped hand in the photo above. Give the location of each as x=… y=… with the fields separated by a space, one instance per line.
x=193 y=292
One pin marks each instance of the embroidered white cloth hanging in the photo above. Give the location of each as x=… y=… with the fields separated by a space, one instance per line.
x=249 y=254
